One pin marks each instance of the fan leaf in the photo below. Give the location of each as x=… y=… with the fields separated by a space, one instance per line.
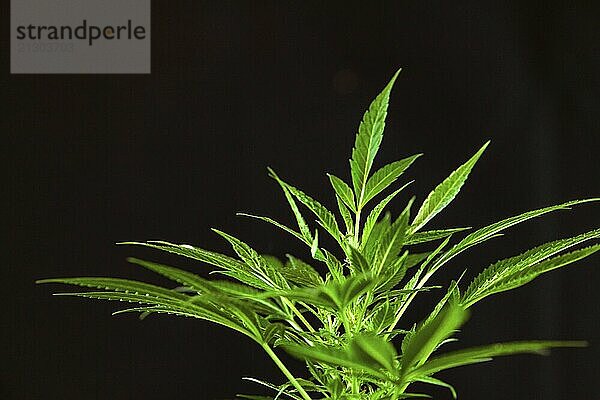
x=485 y=353
x=373 y=216
x=445 y=192
x=384 y=177
x=368 y=140
x=425 y=340
x=502 y=281
x=343 y=191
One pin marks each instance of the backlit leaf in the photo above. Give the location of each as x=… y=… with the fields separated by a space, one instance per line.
x=445 y=192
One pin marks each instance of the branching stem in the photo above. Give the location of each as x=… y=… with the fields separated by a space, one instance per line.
x=410 y=299
x=285 y=371
x=298 y=314
x=357 y=227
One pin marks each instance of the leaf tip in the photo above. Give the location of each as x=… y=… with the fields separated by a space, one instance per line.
x=396 y=75
x=484 y=147
x=272 y=173
x=133 y=243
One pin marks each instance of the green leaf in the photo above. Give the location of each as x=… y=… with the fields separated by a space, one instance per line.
x=374 y=216
x=304 y=229
x=346 y=216
x=196 y=253
x=491 y=231
x=368 y=140
x=203 y=307
x=139 y=298
x=313 y=296
x=494 y=278
x=352 y=288
x=382 y=316
x=314 y=247
x=445 y=192
x=452 y=295
x=266 y=274
x=392 y=242
x=485 y=353
x=528 y=274
x=393 y=273
x=185 y=278
x=301 y=273
x=331 y=295
x=373 y=350
x=120 y=285
x=365 y=352
x=272 y=332
x=413 y=283
x=277 y=224
x=394 y=295
x=343 y=191
x=191 y=313
x=380 y=229
x=426 y=338
x=384 y=177
x=142 y=293
x=522 y=276
x=430 y=236
x=273 y=262
x=325 y=217
x=231 y=266
x=438 y=250
x=437 y=382
x=415 y=258
x=358 y=262
x=334 y=265
x=235 y=289
x=337 y=357
x=249 y=296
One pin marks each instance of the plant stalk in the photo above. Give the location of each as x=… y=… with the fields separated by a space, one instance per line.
x=285 y=371
x=410 y=299
x=298 y=314
x=357 y=228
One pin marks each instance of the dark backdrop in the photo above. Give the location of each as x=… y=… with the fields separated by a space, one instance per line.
x=236 y=86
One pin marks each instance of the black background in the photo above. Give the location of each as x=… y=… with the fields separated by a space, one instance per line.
x=90 y=160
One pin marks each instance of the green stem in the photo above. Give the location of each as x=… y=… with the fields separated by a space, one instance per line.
x=355 y=385
x=345 y=322
x=285 y=371
x=403 y=387
x=409 y=300
x=294 y=324
x=298 y=314
x=365 y=305
x=357 y=228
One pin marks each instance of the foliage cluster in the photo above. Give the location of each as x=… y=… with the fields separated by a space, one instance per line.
x=342 y=312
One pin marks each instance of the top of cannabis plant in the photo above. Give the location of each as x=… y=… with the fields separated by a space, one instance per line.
x=343 y=314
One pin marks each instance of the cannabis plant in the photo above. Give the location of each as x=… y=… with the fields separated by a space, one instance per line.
x=343 y=313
